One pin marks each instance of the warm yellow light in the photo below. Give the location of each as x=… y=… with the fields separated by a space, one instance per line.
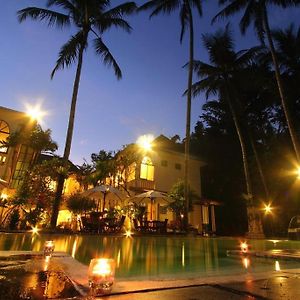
x=102 y=267
x=298 y=173
x=244 y=247
x=277 y=266
x=4 y=196
x=145 y=142
x=246 y=262
x=35 y=112
x=34 y=230
x=128 y=233
x=268 y=208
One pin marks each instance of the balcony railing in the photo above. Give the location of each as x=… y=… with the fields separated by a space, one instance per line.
x=141 y=184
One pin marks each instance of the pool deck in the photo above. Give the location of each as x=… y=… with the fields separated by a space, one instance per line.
x=284 y=284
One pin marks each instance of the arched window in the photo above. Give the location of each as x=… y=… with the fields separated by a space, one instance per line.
x=147 y=169
x=4 y=133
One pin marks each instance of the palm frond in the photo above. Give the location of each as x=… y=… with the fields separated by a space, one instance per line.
x=69 y=52
x=234 y=7
x=107 y=57
x=52 y=17
x=121 y=10
x=198 y=5
x=104 y=24
x=160 y=6
x=184 y=19
x=66 y=4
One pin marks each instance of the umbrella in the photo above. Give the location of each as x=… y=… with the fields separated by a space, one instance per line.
x=153 y=196
x=103 y=190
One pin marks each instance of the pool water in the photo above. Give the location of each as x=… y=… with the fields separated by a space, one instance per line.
x=152 y=257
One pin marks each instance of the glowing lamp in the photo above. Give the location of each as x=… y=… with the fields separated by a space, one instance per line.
x=128 y=233
x=101 y=275
x=145 y=142
x=277 y=266
x=244 y=247
x=268 y=208
x=35 y=112
x=49 y=248
x=34 y=230
x=4 y=196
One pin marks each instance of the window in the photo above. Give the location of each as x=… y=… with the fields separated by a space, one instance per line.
x=147 y=169
x=164 y=163
x=178 y=166
x=4 y=133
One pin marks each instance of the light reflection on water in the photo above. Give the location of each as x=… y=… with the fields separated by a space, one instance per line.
x=152 y=257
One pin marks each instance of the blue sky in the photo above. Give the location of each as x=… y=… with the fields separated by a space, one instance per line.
x=110 y=113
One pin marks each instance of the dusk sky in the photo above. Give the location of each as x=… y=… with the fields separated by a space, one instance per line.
x=110 y=113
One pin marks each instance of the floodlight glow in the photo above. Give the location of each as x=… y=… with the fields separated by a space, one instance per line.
x=35 y=112
x=128 y=233
x=268 y=208
x=34 y=230
x=4 y=196
x=145 y=142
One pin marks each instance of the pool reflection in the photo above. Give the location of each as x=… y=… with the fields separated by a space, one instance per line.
x=145 y=256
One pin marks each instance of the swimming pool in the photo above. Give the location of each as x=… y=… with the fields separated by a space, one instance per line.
x=152 y=257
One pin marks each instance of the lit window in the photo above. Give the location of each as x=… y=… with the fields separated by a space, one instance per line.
x=164 y=163
x=147 y=169
x=4 y=133
x=178 y=166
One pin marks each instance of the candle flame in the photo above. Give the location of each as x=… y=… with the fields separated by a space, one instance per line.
x=102 y=267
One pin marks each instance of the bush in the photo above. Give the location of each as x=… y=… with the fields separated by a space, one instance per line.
x=79 y=204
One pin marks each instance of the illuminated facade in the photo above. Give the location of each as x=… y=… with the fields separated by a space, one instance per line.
x=159 y=168
x=15 y=159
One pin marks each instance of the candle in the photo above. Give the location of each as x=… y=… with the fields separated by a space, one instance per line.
x=101 y=275
x=49 y=248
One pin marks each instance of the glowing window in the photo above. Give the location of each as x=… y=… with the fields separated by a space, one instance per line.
x=147 y=169
x=4 y=133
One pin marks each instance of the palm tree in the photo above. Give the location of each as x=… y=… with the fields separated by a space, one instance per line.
x=219 y=77
x=256 y=11
x=90 y=17
x=186 y=19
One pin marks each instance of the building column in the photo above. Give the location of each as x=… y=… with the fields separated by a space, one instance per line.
x=213 y=219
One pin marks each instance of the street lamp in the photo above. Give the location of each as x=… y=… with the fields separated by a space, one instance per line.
x=35 y=112
x=268 y=208
x=145 y=142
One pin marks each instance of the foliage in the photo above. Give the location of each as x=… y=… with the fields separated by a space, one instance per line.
x=14 y=219
x=176 y=193
x=79 y=204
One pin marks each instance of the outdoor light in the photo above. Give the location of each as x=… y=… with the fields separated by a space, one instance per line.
x=244 y=247
x=298 y=172
x=128 y=233
x=277 y=266
x=246 y=262
x=4 y=196
x=34 y=230
x=49 y=248
x=101 y=275
x=268 y=208
x=145 y=142
x=35 y=112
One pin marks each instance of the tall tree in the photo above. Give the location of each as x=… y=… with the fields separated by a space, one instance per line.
x=256 y=11
x=219 y=77
x=186 y=19
x=89 y=17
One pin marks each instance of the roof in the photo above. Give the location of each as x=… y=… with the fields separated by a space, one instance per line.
x=162 y=143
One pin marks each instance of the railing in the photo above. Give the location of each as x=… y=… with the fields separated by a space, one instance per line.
x=141 y=184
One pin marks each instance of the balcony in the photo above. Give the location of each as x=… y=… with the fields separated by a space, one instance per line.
x=141 y=185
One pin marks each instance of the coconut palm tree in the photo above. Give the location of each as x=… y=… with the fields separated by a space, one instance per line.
x=186 y=18
x=90 y=18
x=219 y=78
x=256 y=11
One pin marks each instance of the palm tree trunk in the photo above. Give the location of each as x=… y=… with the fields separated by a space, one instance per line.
x=61 y=178
x=259 y=166
x=188 y=118
x=284 y=103
x=254 y=221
